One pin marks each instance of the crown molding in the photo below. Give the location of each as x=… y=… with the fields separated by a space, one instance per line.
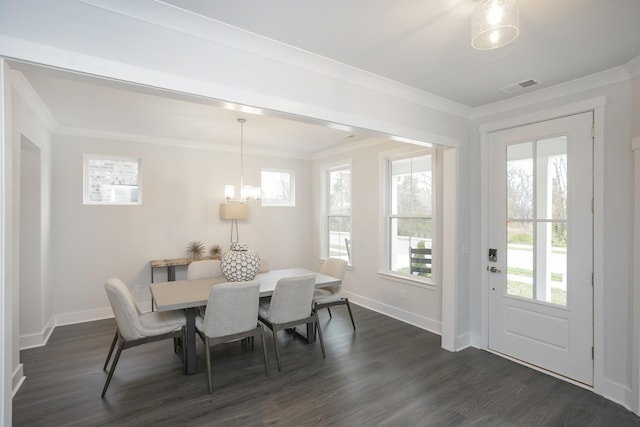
x=362 y=143
x=173 y=142
x=170 y=17
x=593 y=81
x=633 y=67
x=21 y=85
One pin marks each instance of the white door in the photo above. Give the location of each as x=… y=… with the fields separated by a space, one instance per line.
x=540 y=255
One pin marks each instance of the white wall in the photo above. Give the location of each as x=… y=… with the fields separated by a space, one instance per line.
x=182 y=189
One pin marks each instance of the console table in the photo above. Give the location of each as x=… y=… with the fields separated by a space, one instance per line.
x=171 y=264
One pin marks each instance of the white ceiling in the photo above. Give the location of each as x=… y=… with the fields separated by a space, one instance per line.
x=426 y=43
x=421 y=43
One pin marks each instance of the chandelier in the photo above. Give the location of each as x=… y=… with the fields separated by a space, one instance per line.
x=248 y=193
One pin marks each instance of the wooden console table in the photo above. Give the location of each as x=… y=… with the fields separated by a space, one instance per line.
x=171 y=264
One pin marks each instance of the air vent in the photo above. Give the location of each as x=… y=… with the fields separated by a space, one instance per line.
x=516 y=87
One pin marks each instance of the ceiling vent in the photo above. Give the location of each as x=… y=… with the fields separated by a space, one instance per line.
x=516 y=87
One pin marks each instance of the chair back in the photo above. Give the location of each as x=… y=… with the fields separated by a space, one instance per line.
x=124 y=310
x=232 y=308
x=204 y=269
x=334 y=267
x=291 y=299
x=265 y=265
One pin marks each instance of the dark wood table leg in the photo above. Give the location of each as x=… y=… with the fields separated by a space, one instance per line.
x=190 y=345
x=171 y=273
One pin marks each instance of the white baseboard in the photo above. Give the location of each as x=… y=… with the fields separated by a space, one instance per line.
x=39 y=339
x=17 y=379
x=463 y=341
x=83 y=316
x=396 y=313
x=615 y=392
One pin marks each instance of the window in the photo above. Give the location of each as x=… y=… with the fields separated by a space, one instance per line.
x=278 y=188
x=339 y=212
x=110 y=180
x=409 y=220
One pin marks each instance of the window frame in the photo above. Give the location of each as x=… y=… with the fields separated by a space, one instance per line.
x=292 y=188
x=327 y=215
x=86 y=180
x=387 y=160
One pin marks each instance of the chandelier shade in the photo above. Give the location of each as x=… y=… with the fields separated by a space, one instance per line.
x=494 y=23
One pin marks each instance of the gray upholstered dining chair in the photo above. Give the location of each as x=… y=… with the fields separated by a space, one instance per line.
x=204 y=269
x=332 y=295
x=290 y=305
x=135 y=328
x=231 y=315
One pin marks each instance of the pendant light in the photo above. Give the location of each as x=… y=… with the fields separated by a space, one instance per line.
x=494 y=23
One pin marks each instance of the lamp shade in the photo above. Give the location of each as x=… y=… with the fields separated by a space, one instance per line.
x=234 y=211
x=495 y=23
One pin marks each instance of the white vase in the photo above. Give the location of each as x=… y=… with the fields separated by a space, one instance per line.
x=240 y=264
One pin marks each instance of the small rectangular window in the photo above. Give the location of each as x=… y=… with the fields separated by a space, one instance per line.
x=278 y=187
x=110 y=180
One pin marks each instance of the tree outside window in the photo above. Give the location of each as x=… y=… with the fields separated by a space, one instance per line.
x=278 y=187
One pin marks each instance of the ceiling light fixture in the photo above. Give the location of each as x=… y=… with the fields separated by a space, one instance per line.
x=494 y=23
x=248 y=193
x=236 y=209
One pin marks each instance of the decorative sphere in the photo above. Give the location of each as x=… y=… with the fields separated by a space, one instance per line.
x=240 y=264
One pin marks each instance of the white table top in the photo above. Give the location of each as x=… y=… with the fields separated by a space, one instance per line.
x=194 y=293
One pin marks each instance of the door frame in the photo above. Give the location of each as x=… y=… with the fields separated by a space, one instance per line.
x=597 y=105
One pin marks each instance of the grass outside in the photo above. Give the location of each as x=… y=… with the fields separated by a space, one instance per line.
x=556 y=277
x=525 y=290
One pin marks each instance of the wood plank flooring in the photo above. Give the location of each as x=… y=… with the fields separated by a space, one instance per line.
x=387 y=373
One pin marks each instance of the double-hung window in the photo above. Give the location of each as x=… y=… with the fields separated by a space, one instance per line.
x=338 y=211
x=409 y=215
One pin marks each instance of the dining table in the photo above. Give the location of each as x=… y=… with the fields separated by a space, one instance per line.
x=189 y=294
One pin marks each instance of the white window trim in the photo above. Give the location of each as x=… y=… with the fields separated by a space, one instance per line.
x=348 y=164
x=85 y=179
x=385 y=168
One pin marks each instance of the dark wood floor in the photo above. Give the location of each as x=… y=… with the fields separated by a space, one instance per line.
x=387 y=373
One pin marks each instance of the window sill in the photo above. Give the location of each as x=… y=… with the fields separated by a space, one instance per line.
x=407 y=280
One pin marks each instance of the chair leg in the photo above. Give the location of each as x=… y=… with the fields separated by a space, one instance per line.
x=113 y=368
x=207 y=352
x=350 y=314
x=184 y=347
x=275 y=343
x=113 y=345
x=317 y=322
x=329 y=310
x=264 y=351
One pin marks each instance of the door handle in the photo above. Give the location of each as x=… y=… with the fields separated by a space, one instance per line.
x=493 y=269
